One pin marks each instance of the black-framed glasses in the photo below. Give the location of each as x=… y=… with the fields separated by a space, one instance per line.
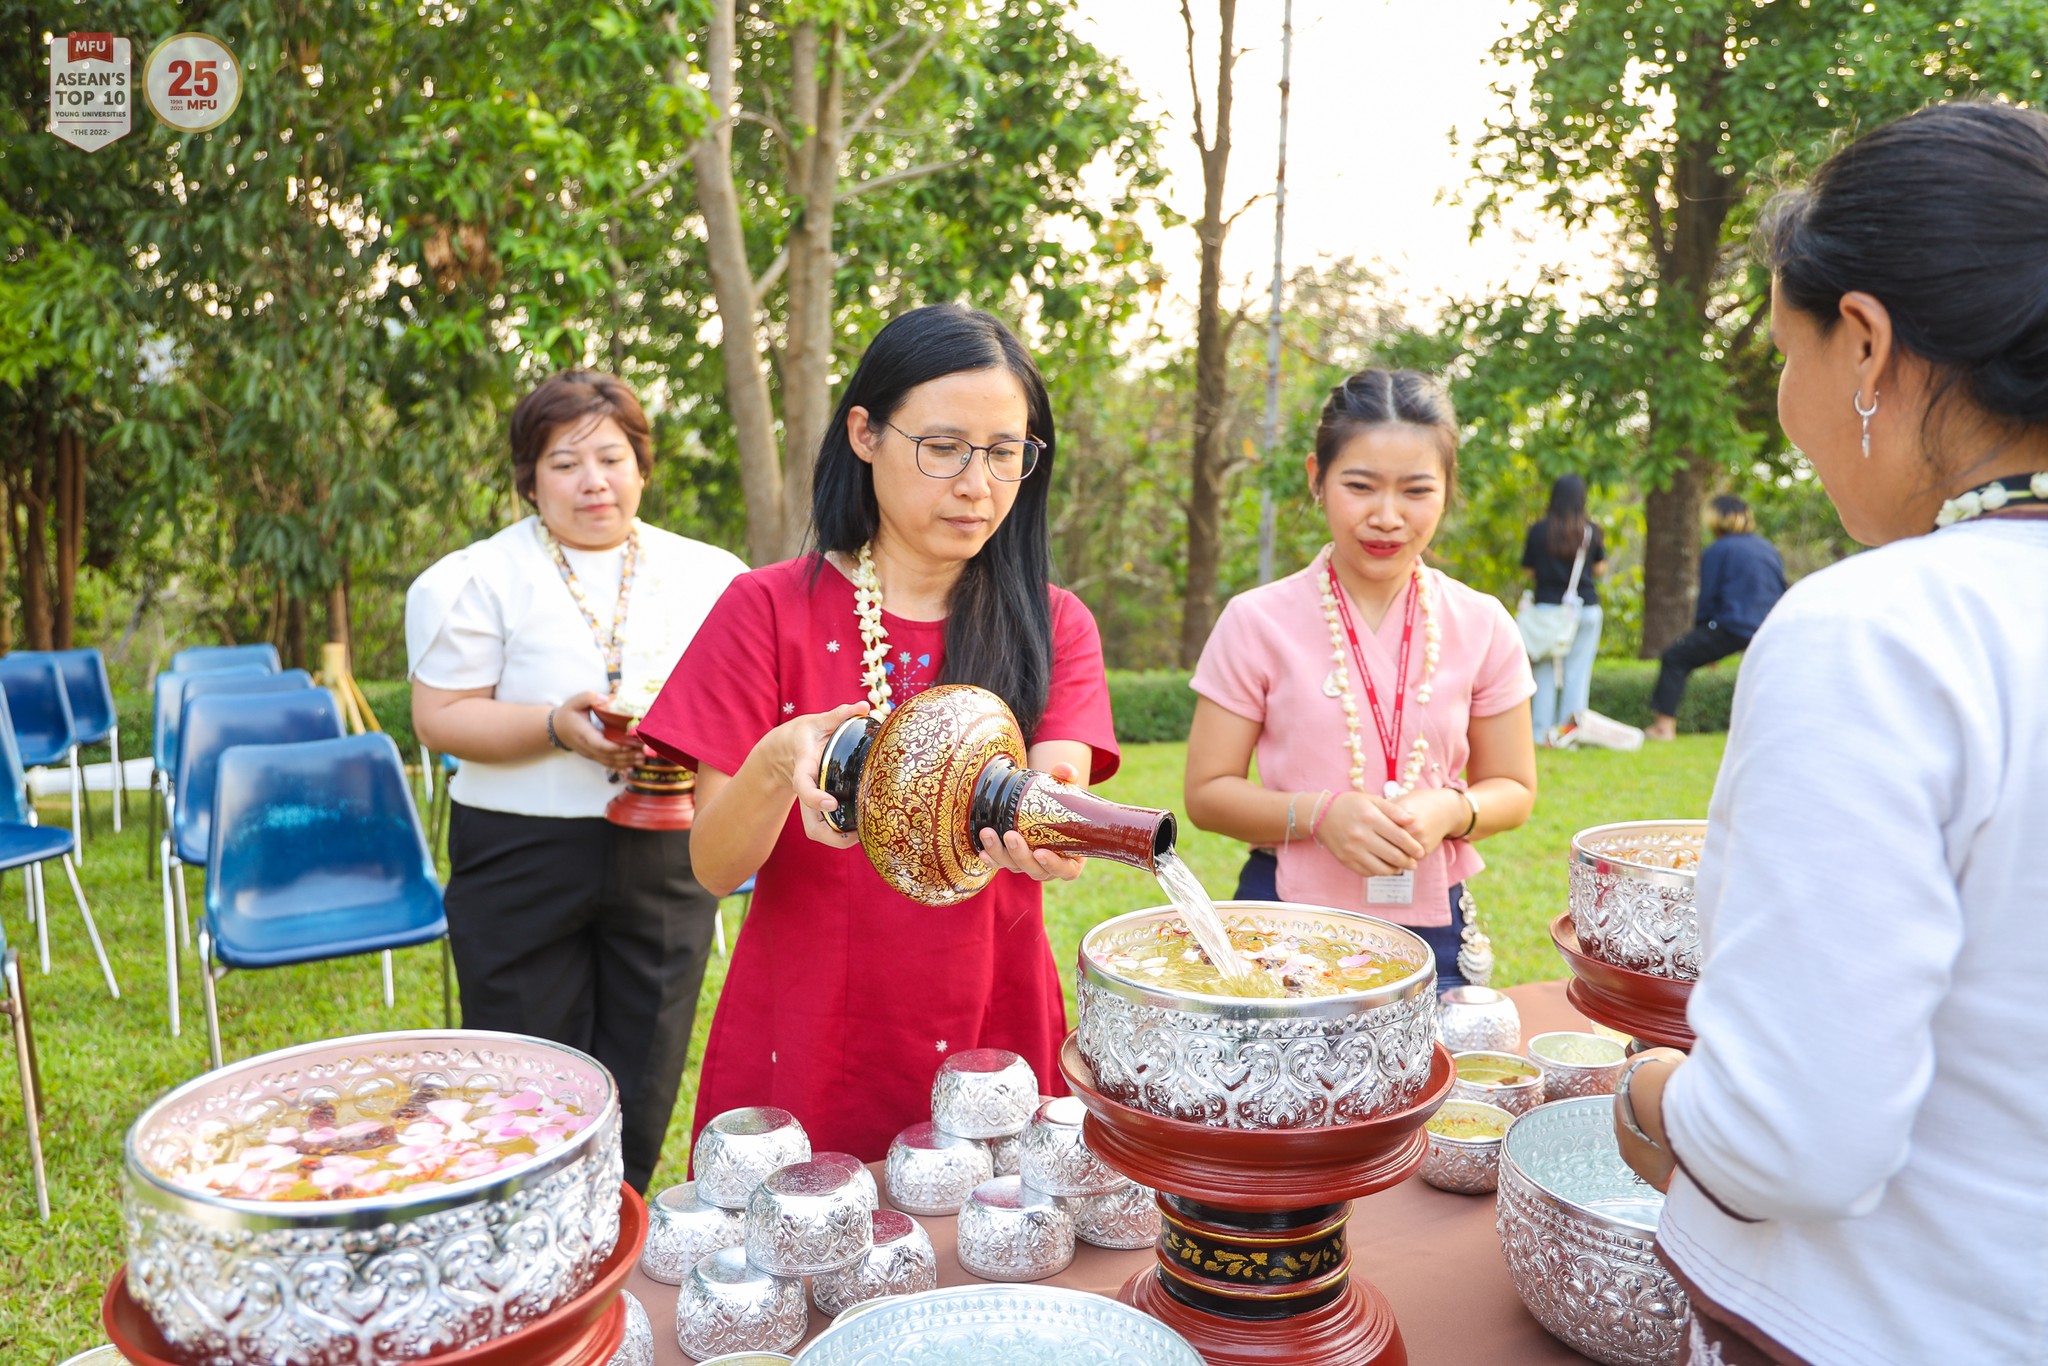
x=947 y=457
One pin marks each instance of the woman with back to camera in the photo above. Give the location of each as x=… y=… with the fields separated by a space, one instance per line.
x=1387 y=703
x=1565 y=553
x=1854 y=1147
x=929 y=504
x=1741 y=579
x=563 y=924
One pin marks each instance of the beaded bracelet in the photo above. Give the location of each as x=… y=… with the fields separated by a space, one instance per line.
x=1315 y=821
x=553 y=738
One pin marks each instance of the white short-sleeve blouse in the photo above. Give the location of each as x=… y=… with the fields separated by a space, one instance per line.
x=497 y=615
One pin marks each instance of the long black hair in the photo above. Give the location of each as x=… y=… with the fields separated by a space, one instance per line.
x=1943 y=216
x=999 y=619
x=1566 y=516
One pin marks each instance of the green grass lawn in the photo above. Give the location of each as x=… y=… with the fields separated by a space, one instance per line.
x=104 y=1060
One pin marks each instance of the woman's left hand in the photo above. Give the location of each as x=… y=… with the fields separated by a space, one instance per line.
x=1442 y=812
x=1040 y=865
x=1646 y=1100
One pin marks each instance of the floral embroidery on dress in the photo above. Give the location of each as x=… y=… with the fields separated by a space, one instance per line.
x=789 y=709
x=908 y=674
x=831 y=647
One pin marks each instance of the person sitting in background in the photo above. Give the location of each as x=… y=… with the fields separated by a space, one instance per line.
x=1741 y=578
x=1565 y=553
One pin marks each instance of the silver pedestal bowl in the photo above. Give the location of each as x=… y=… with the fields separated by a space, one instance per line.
x=1631 y=889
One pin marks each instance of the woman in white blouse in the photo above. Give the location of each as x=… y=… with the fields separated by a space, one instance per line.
x=564 y=925
x=1855 y=1147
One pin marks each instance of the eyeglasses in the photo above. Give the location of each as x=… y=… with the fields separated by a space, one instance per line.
x=947 y=457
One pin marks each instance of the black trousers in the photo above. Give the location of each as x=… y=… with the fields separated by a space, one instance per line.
x=1700 y=646
x=589 y=934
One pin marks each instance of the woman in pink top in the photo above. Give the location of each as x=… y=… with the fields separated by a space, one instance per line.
x=1388 y=704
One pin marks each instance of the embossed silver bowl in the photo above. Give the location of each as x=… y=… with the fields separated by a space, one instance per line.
x=984 y=1093
x=379 y=1280
x=730 y=1305
x=1576 y=1064
x=929 y=1171
x=636 y=1348
x=1126 y=1217
x=1629 y=906
x=1259 y=1064
x=858 y=1170
x=1465 y=1166
x=1577 y=1228
x=683 y=1230
x=736 y=1151
x=809 y=1217
x=1010 y=1232
x=1477 y=1019
x=901 y=1262
x=1518 y=1097
x=1007 y=1154
x=1056 y=1159
x=1016 y=1325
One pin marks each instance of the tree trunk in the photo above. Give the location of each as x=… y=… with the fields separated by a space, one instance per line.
x=337 y=612
x=6 y=536
x=70 y=529
x=31 y=552
x=295 y=615
x=815 y=109
x=1212 y=394
x=1671 y=554
x=732 y=286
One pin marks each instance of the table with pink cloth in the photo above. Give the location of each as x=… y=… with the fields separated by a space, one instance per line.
x=1433 y=1254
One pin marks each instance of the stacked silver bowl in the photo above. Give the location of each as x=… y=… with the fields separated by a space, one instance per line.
x=982 y=1101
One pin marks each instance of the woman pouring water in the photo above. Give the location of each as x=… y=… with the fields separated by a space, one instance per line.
x=931 y=566
x=1387 y=703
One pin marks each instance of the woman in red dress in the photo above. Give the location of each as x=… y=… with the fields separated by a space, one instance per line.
x=928 y=515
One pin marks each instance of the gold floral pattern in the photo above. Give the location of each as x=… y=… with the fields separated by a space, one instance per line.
x=917 y=791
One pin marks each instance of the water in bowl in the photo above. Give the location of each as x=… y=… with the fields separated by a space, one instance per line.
x=1642 y=1211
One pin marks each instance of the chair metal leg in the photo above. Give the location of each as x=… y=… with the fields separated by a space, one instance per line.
x=184 y=910
x=163 y=862
x=447 y=993
x=206 y=987
x=77 y=804
x=91 y=929
x=120 y=779
x=390 y=995
x=155 y=804
x=35 y=877
x=15 y=1005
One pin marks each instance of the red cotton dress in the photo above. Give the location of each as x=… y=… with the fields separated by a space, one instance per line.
x=844 y=995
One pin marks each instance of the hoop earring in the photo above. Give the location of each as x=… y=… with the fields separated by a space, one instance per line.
x=1856 y=402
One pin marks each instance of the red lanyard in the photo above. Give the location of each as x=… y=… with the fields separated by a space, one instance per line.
x=1390 y=735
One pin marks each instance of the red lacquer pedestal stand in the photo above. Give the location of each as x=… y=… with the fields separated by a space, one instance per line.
x=1650 y=1007
x=659 y=795
x=1253 y=1263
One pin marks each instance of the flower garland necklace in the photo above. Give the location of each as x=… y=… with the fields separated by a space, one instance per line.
x=610 y=644
x=2020 y=488
x=1339 y=683
x=874 y=640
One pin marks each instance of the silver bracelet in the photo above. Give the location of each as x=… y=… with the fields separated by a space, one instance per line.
x=1624 y=1104
x=1290 y=816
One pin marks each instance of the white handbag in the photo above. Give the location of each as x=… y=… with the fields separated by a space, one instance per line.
x=1548 y=628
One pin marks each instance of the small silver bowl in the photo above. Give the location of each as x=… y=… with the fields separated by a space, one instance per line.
x=1055 y=1158
x=1010 y=1232
x=728 y=1305
x=901 y=1262
x=1465 y=1166
x=1577 y=1064
x=931 y=1172
x=736 y=1151
x=1007 y=1154
x=683 y=1230
x=1125 y=1218
x=636 y=1348
x=858 y=1170
x=1477 y=1020
x=1516 y=1097
x=809 y=1217
x=984 y=1093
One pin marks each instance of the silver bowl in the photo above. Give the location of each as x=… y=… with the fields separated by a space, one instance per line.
x=108 y=1355
x=1465 y=1166
x=1259 y=1064
x=1010 y=1232
x=1056 y=1159
x=1579 y=1229
x=736 y=1151
x=373 y=1280
x=809 y=1217
x=1592 y=1068
x=984 y=1093
x=683 y=1230
x=976 y=1325
x=858 y=1170
x=1517 y=1097
x=1006 y=1154
x=1126 y=1217
x=931 y=1172
x=636 y=1347
x=1627 y=909
x=729 y=1305
x=902 y=1262
x=1473 y=1019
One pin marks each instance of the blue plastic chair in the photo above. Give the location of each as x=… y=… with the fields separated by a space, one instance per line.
x=199 y=658
x=91 y=693
x=170 y=710
x=211 y=726
x=27 y=846
x=14 y=1005
x=45 y=731
x=316 y=853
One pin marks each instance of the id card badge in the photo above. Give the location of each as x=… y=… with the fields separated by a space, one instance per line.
x=1398 y=890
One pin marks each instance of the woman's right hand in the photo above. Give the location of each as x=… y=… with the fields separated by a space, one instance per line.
x=1371 y=836
x=575 y=727
x=800 y=745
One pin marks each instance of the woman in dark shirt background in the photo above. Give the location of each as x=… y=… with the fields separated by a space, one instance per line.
x=1564 y=686
x=1741 y=578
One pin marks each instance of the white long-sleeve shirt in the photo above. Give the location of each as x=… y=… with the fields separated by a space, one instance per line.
x=1872 y=1013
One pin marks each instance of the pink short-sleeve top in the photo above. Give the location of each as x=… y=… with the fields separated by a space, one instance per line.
x=1268 y=660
